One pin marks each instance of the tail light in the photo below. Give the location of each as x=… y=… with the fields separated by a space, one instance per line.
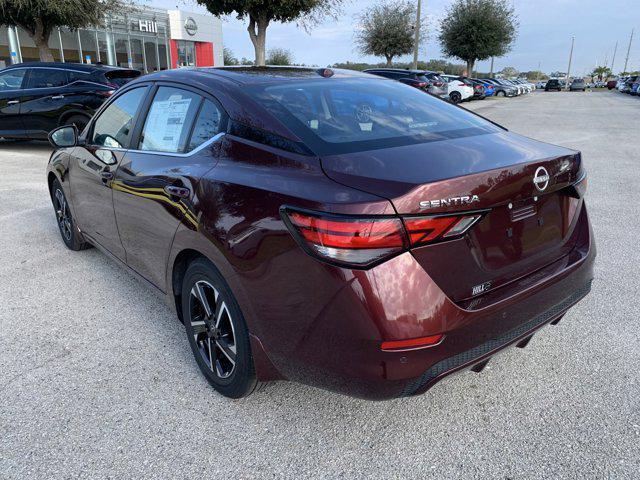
x=363 y=242
x=344 y=240
x=439 y=84
x=423 y=230
x=462 y=84
x=105 y=93
x=422 y=84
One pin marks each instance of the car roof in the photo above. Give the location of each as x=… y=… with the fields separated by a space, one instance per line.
x=397 y=70
x=249 y=75
x=66 y=66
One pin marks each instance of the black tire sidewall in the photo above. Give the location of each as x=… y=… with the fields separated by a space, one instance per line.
x=243 y=380
x=456 y=97
x=75 y=242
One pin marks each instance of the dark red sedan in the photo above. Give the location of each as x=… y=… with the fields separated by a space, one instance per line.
x=329 y=227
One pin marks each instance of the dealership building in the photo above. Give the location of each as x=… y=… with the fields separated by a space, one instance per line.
x=148 y=39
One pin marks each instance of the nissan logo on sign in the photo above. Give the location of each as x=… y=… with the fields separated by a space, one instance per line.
x=190 y=26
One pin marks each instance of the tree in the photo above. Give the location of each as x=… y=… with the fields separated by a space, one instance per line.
x=534 y=75
x=387 y=30
x=229 y=57
x=279 y=56
x=40 y=17
x=509 y=72
x=477 y=30
x=601 y=72
x=262 y=12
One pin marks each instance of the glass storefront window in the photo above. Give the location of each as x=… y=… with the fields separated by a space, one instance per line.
x=137 y=56
x=162 y=51
x=69 y=43
x=5 y=55
x=150 y=54
x=186 y=53
x=88 y=41
x=122 y=51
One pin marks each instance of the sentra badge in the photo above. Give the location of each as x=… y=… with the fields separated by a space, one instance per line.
x=449 y=202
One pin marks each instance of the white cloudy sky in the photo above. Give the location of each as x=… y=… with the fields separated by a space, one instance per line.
x=544 y=35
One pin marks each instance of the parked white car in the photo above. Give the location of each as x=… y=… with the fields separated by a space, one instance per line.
x=457 y=90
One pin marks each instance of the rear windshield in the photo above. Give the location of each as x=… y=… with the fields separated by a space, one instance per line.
x=346 y=115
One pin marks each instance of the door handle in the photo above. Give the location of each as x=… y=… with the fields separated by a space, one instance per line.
x=57 y=97
x=13 y=102
x=176 y=191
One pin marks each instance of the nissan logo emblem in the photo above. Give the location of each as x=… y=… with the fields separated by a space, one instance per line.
x=541 y=178
x=190 y=26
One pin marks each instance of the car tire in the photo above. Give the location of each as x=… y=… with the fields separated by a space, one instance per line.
x=69 y=232
x=455 y=97
x=501 y=93
x=216 y=331
x=79 y=121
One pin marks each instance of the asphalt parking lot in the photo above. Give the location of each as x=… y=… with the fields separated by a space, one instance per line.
x=97 y=379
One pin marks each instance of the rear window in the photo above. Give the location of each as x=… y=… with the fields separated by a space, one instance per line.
x=120 y=77
x=340 y=116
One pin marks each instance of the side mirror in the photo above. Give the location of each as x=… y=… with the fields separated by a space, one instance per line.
x=63 y=137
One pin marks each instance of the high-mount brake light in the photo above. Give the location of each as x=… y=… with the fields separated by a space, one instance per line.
x=363 y=242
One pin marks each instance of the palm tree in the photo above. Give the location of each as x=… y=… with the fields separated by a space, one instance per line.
x=601 y=72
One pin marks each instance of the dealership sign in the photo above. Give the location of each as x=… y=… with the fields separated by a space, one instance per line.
x=191 y=26
x=148 y=26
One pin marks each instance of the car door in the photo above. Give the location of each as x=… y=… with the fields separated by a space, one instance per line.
x=155 y=183
x=93 y=164
x=11 y=84
x=42 y=101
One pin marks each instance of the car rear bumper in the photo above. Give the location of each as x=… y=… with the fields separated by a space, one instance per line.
x=398 y=300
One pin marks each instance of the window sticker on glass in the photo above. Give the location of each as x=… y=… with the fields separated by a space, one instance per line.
x=165 y=124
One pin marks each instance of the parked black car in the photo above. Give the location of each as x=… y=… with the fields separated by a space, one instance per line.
x=553 y=84
x=37 y=97
x=422 y=79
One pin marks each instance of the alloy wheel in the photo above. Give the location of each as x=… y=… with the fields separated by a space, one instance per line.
x=63 y=215
x=213 y=329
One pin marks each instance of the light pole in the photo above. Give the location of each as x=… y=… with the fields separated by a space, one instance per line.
x=416 y=39
x=626 y=61
x=573 y=38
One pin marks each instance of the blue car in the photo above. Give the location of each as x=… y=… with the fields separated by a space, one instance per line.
x=635 y=88
x=489 y=88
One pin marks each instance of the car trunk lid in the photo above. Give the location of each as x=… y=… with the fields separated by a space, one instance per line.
x=525 y=225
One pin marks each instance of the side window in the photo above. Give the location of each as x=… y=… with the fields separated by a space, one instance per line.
x=206 y=126
x=168 y=123
x=12 y=79
x=76 y=76
x=114 y=126
x=47 y=78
